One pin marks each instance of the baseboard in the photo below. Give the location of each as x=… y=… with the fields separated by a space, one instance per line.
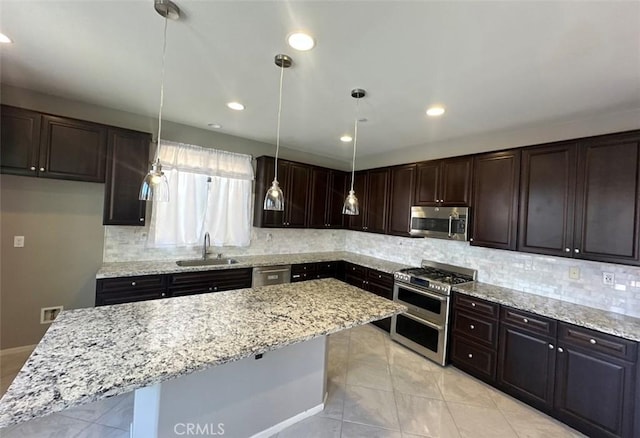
x=17 y=350
x=289 y=422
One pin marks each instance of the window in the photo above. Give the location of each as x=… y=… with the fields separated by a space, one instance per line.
x=209 y=191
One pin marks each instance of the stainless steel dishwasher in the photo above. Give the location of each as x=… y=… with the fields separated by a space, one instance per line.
x=267 y=275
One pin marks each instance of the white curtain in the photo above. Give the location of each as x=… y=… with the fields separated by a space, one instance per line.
x=209 y=191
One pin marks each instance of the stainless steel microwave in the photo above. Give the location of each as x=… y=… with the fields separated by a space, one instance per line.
x=440 y=222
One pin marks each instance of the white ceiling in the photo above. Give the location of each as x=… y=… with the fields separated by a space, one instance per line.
x=493 y=65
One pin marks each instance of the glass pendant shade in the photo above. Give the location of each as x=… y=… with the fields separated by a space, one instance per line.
x=274 y=199
x=155 y=186
x=350 y=206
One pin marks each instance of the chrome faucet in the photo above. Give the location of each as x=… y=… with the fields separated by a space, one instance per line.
x=207 y=242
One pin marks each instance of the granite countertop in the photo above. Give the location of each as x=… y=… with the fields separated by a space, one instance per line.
x=127 y=269
x=612 y=323
x=91 y=354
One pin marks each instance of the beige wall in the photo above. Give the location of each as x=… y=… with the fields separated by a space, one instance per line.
x=62 y=225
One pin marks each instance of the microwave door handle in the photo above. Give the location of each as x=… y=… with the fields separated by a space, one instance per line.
x=450 y=224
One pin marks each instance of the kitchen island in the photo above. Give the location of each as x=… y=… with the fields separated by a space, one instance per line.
x=91 y=354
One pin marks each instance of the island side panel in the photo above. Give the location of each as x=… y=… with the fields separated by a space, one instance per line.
x=247 y=397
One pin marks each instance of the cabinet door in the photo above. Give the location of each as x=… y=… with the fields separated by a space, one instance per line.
x=295 y=194
x=526 y=366
x=608 y=199
x=547 y=199
x=360 y=186
x=377 y=200
x=72 y=149
x=403 y=181
x=427 y=180
x=19 y=141
x=127 y=162
x=455 y=182
x=495 y=199
x=337 y=195
x=594 y=393
x=318 y=202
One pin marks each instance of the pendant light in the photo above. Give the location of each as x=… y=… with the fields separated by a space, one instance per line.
x=274 y=199
x=155 y=186
x=350 y=206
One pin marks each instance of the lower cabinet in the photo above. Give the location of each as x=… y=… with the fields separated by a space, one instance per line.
x=314 y=271
x=585 y=378
x=374 y=281
x=150 y=287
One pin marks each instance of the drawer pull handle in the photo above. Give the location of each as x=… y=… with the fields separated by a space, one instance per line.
x=592 y=341
x=133 y=283
x=379 y=276
x=525 y=320
x=163 y=294
x=473 y=304
x=560 y=350
x=550 y=346
x=32 y=168
x=567 y=250
x=42 y=169
x=472 y=326
x=470 y=356
x=141 y=219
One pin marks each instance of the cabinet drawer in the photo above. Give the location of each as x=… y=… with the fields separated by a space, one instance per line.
x=354 y=269
x=379 y=277
x=107 y=299
x=302 y=268
x=596 y=341
x=130 y=284
x=473 y=358
x=529 y=321
x=327 y=267
x=354 y=280
x=234 y=276
x=477 y=305
x=476 y=328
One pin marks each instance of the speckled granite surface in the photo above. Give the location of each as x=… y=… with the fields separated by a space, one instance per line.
x=127 y=269
x=596 y=319
x=91 y=354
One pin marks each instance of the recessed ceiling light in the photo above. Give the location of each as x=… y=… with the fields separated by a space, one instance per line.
x=236 y=106
x=301 y=41
x=435 y=111
x=5 y=39
x=346 y=138
x=214 y=125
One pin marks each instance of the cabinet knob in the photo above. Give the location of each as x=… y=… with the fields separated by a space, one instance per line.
x=353 y=269
x=551 y=347
x=560 y=350
x=472 y=327
x=42 y=169
x=471 y=239
x=141 y=219
x=379 y=276
x=525 y=320
x=32 y=168
x=470 y=356
x=304 y=267
x=592 y=341
x=133 y=283
x=567 y=250
x=163 y=294
x=210 y=289
x=577 y=251
x=473 y=304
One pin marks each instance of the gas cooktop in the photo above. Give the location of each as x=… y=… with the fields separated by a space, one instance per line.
x=436 y=276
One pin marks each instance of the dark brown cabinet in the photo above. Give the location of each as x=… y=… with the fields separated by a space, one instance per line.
x=371 y=280
x=127 y=164
x=403 y=182
x=192 y=283
x=582 y=199
x=36 y=144
x=444 y=182
x=327 y=194
x=130 y=289
x=314 y=271
x=372 y=190
x=496 y=179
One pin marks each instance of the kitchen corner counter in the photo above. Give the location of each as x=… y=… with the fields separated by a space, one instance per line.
x=92 y=354
x=129 y=269
x=611 y=323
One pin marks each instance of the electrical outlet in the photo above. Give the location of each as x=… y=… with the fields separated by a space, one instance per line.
x=48 y=314
x=608 y=278
x=18 y=241
x=574 y=273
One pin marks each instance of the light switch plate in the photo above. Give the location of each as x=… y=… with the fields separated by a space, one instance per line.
x=18 y=241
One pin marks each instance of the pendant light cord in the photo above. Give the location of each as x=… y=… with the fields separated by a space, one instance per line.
x=164 y=53
x=355 y=143
x=275 y=178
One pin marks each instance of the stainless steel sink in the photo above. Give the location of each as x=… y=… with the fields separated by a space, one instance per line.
x=207 y=262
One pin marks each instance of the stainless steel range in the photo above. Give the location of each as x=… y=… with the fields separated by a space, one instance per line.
x=426 y=292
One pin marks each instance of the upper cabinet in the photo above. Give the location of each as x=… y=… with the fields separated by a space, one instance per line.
x=495 y=199
x=444 y=182
x=372 y=191
x=127 y=164
x=403 y=182
x=36 y=144
x=327 y=193
x=582 y=199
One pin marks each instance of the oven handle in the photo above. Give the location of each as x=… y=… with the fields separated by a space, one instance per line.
x=422 y=292
x=423 y=321
x=450 y=225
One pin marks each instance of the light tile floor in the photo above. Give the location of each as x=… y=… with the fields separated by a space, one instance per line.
x=376 y=389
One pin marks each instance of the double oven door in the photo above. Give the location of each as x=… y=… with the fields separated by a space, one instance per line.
x=424 y=327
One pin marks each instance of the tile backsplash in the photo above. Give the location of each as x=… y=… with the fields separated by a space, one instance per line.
x=537 y=274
